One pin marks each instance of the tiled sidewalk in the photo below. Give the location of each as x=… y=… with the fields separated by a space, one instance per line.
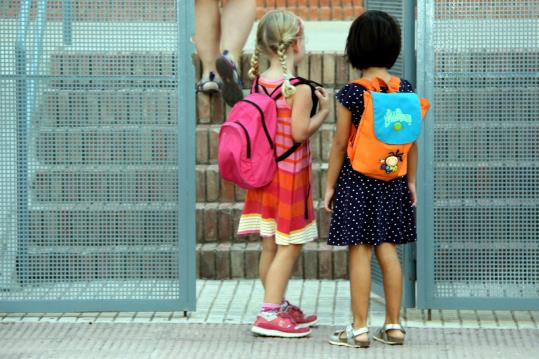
x=228 y=341
x=238 y=301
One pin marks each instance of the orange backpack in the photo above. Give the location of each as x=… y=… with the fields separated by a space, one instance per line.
x=390 y=124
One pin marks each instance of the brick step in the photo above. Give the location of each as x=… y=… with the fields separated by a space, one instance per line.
x=218 y=222
x=165 y=10
x=95 y=225
x=314 y=10
x=240 y=260
x=207 y=141
x=110 y=262
x=131 y=69
x=211 y=187
x=126 y=107
x=107 y=70
x=148 y=145
x=141 y=185
x=330 y=69
x=211 y=109
x=113 y=63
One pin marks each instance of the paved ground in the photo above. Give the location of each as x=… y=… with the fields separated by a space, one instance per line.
x=220 y=328
x=204 y=341
x=238 y=301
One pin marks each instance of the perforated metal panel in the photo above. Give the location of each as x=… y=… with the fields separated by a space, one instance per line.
x=403 y=12
x=96 y=155
x=480 y=235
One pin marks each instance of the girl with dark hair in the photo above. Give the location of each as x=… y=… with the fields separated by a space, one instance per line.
x=370 y=214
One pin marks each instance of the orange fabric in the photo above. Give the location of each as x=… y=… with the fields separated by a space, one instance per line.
x=284 y=208
x=365 y=151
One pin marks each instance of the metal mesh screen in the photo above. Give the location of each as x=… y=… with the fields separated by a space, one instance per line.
x=484 y=88
x=89 y=151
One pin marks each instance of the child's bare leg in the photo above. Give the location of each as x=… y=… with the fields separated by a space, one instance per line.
x=392 y=275
x=279 y=272
x=237 y=20
x=207 y=33
x=269 y=249
x=359 y=266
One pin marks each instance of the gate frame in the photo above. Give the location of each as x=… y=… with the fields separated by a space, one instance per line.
x=425 y=260
x=186 y=148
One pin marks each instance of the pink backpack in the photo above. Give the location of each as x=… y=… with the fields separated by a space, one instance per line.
x=246 y=149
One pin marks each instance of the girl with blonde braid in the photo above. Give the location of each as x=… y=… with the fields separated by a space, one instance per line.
x=282 y=213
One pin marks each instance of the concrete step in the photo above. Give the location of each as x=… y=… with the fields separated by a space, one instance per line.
x=218 y=222
x=240 y=260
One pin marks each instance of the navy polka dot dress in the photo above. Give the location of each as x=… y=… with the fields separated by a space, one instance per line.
x=367 y=210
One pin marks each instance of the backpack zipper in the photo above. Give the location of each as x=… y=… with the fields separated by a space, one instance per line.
x=262 y=118
x=248 y=139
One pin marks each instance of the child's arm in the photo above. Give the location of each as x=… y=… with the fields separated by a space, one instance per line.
x=337 y=154
x=412 y=169
x=303 y=125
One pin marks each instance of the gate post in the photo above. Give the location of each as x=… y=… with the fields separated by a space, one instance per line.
x=186 y=158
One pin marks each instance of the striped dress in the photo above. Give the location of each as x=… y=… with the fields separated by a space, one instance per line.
x=284 y=208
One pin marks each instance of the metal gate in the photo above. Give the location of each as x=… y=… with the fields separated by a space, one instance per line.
x=403 y=11
x=479 y=236
x=97 y=131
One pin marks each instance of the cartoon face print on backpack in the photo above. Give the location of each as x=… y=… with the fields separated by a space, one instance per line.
x=391 y=162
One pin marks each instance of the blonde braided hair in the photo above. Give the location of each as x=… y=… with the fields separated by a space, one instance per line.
x=277 y=30
x=254 y=71
x=288 y=89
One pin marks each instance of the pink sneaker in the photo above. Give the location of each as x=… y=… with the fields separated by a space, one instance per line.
x=278 y=325
x=299 y=317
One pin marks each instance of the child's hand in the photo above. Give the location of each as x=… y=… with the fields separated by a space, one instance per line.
x=328 y=199
x=323 y=98
x=413 y=194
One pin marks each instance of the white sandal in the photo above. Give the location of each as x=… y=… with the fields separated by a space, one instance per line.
x=350 y=340
x=385 y=338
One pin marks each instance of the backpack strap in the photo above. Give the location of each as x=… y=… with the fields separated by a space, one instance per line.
x=256 y=87
x=276 y=94
x=376 y=84
x=298 y=81
x=301 y=81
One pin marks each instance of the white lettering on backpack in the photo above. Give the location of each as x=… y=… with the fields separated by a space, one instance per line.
x=397 y=116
